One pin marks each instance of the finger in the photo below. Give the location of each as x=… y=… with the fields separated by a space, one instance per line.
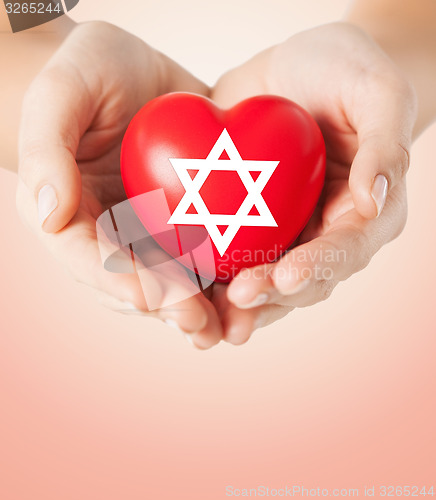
x=384 y=122
x=270 y=313
x=183 y=303
x=237 y=324
x=251 y=287
x=76 y=246
x=174 y=298
x=209 y=335
x=192 y=318
x=116 y=305
x=56 y=111
x=212 y=333
x=130 y=292
x=178 y=295
x=240 y=324
x=308 y=273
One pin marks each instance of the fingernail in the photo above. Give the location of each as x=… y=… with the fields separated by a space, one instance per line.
x=47 y=202
x=258 y=301
x=188 y=337
x=172 y=323
x=129 y=308
x=379 y=192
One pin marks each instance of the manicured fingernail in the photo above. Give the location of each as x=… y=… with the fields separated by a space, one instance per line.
x=129 y=308
x=258 y=301
x=47 y=202
x=172 y=323
x=188 y=337
x=379 y=192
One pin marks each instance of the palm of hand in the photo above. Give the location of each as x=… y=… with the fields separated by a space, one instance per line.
x=98 y=159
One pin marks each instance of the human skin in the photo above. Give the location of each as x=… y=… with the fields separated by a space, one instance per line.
x=346 y=220
x=22 y=55
x=406 y=32
x=368 y=124
x=75 y=114
x=366 y=111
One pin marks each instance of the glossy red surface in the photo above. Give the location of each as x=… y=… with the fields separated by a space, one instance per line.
x=182 y=125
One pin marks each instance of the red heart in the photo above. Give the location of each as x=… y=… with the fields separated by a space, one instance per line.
x=285 y=149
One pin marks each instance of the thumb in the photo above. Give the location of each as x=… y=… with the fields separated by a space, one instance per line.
x=384 y=128
x=51 y=127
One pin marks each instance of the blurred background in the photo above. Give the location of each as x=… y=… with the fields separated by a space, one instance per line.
x=95 y=405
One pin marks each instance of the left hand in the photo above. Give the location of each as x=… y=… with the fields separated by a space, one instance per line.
x=366 y=111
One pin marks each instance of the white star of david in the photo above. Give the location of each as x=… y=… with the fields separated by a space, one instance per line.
x=212 y=221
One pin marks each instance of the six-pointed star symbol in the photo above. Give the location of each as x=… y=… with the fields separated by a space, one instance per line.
x=212 y=221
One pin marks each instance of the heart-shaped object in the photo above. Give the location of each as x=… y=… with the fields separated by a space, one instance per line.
x=246 y=180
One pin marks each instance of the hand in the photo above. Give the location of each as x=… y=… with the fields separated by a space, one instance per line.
x=74 y=117
x=366 y=111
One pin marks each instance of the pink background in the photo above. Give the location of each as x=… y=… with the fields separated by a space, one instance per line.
x=96 y=405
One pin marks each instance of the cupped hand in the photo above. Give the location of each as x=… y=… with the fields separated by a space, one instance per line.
x=74 y=117
x=366 y=111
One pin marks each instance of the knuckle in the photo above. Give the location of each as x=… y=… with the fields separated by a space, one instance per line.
x=399 y=85
x=358 y=248
x=398 y=215
x=407 y=91
x=324 y=289
x=399 y=157
x=362 y=250
x=272 y=313
x=320 y=291
x=398 y=229
x=403 y=159
x=28 y=156
x=390 y=79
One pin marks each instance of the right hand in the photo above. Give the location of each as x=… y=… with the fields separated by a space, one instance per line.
x=74 y=117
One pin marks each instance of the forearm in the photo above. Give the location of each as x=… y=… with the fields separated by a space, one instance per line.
x=406 y=31
x=22 y=55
